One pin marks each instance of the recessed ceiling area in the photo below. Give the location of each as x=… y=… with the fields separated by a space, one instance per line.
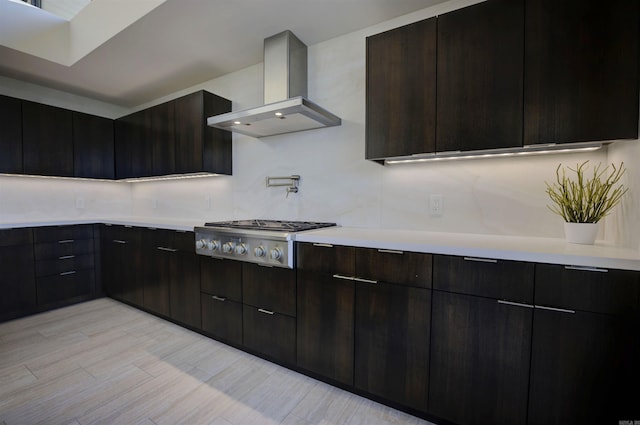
x=128 y=59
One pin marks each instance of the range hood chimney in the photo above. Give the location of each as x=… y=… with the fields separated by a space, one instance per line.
x=286 y=108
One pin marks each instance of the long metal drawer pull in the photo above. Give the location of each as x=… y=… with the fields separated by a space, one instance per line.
x=119 y=241
x=586 y=269
x=66 y=257
x=67 y=273
x=390 y=251
x=515 y=304
x=480 y=260
x=343 y=277
x=561 y=310
x=67 y=241
x=262 y=310
x=324 y=245
x=217 y=298
x=162 y=248
x=359 y=279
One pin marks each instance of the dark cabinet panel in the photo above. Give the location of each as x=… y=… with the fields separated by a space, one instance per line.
x=326 y=325
x=62 y=235
x=17 y=280
x=405 y=268
x=161 y=134
x=392 y=332
x=157 y=265
x=133 y=149
x=480 y=77
x=222 y=278
x=401 y=91
x=185 y=289
x=269 y=333
x=321 y=258
x=47 y=140
x=10 y=135
x=269 y=288
x=581 y=79
x=583 y=369
x=67 y=248
x=122 y=245
x=508 y=280
x=480 y=352
x=200 y=148
x=93 y=146
x=587 y=289
x=222 y=318
x=65 y=287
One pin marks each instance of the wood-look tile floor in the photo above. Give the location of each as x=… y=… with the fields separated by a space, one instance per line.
x=103 y=362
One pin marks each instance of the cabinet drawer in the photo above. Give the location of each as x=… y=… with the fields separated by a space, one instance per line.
x=404 y=268
x=12 y=237
x=222 y=318
x=184 y=241
x=64 y=248
x=121 y=234
x=63 y=265
x=64 y=287
x=221 y=277
x=62 y=233
x=271 y=334
x=16 y=263
x=500 y=279
x=269 y=288
x=322 y=258
x=587 y=289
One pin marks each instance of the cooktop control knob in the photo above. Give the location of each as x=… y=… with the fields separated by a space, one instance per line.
x=227 y=248
x=260 y=251
x=276 y=254
x=200 y=244
x=213 y=245
x=241 y=249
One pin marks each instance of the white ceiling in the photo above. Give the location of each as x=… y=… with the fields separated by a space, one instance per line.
x=182 y=43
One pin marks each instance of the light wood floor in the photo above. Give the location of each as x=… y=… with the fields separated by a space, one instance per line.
x=103 y=362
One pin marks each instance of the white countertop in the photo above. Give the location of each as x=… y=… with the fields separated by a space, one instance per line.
x=517 y=248
x=539 y=250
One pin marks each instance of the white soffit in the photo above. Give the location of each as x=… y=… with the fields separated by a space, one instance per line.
x=37 y=32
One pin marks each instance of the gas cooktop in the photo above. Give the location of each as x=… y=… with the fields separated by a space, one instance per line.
x=288 y=226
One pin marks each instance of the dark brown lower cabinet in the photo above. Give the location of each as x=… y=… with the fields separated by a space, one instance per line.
x=326 y=326
x=221 y=299
x=480 y=353
x=122 y=267
x=583 y=369
x=270 y=333
x=65 y=287
x=184 y=288
x=392 y=327
x=17 y=279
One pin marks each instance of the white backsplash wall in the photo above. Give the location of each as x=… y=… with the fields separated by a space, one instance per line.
x=503 y=196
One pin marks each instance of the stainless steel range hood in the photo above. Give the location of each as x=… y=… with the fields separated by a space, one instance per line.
x=286 y=109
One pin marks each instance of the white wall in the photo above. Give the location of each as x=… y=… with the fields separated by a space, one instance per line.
x=497 y=196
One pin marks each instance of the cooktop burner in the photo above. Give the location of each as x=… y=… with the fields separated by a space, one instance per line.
x=289 y=226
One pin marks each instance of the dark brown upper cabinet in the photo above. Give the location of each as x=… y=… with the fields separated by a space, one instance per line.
x=401 y=91
x=47 y=141
x=479 y=78
x=173 y=138
x=10 y=135
x=93 y=146
x=581 y=78
x=200 y=148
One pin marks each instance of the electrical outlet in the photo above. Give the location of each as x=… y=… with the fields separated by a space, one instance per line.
x=80 y=203
x=154 y=203
x=436 y=206
x=207 y=202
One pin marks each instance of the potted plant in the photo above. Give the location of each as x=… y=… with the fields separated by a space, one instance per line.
x=583 y=199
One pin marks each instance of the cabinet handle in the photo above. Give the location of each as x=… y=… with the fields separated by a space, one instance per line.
x=515 y=304
x=359 y=279
x=262 y=310
x=561 y=310
x=119 y=241
x=324 y=245
x=67 y=241
x=68 y=273
x=217 y=298
x=586 y=269
x=343 y=277
x=269 y=266
x=481 y=260
x=66 y=257
x=390 y=251
x=161 y=248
